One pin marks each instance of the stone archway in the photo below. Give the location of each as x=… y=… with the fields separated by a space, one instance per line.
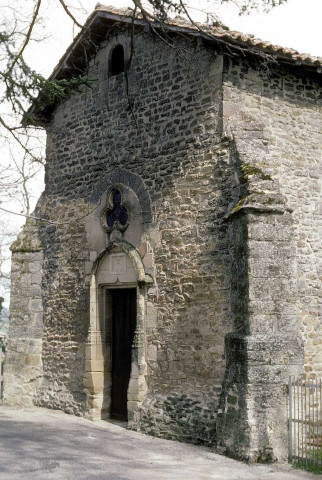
x=119 y=267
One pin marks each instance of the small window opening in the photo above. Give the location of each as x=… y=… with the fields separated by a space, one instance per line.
x=117 y=60
x=118 y=213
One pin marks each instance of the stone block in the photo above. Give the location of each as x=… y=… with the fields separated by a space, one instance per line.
x=33 y=360
x=151 y=315
x=94 y=382
x=95 y=365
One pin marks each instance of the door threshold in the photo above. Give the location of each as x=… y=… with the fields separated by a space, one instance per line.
x=115 y=421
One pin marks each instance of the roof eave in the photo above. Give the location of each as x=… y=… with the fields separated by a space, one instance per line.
x=193 y=31
x=100 y=18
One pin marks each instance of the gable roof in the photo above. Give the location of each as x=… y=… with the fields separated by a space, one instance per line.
x=104 y=17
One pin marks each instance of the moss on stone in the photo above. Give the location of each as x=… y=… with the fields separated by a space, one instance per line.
x=237 y=207
x=26 y=243
x=256 y=170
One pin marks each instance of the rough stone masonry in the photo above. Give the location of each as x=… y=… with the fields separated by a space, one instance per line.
x=189 y=174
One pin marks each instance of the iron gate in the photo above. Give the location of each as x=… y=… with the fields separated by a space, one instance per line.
x=1 y=372
x=305 y=421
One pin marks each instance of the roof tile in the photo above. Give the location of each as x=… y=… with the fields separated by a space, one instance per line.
x=222 y=32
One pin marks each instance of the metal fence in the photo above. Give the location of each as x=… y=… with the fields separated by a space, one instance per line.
x=1 y=372
x=305 y=421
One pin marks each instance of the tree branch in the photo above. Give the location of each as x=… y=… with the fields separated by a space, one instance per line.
x=63 y=4
x=26 y=149
x=45 y=220
x=27 y=38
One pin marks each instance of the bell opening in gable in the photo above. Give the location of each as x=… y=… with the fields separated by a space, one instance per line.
x=117 y=65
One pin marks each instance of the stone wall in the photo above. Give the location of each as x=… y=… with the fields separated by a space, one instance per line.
x=66 y=302
x=164 y=134
x=271 y=116
x=24 y=365
x=274 y=116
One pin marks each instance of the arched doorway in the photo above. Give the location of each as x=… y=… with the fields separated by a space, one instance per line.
x=115 y=351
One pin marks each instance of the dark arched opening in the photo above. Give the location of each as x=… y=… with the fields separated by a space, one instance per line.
x=117 y=60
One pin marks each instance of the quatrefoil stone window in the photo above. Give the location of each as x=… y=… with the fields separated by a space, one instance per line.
x=117 y=214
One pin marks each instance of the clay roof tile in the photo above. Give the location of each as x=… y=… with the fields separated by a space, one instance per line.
x=222 y=32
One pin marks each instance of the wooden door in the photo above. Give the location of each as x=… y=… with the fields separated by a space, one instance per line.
x=123 y=329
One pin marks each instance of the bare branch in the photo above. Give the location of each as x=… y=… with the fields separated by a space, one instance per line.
x=27 y=38
x=45 y=220
x=63 y=4
x=17 y=139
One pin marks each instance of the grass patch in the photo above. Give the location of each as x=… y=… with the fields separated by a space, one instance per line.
x=309 y=467
x=310 y=463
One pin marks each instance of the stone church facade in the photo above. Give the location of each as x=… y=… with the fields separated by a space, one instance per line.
x=171 y=275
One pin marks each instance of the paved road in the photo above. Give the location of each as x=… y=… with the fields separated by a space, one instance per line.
x=41 y=444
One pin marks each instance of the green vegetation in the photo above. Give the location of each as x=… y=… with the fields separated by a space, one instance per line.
x=51 y=91
x=313 y=462
x=237 y=207
x=309 y=467
x=249 y=170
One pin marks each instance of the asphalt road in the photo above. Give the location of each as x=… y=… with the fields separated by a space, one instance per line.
x=41 y=444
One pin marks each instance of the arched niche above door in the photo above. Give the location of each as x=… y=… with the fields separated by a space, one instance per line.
x=116 y=267
x=121 y=262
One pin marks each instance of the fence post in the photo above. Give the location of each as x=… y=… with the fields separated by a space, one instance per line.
x=290 y=445
x=0 y=371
